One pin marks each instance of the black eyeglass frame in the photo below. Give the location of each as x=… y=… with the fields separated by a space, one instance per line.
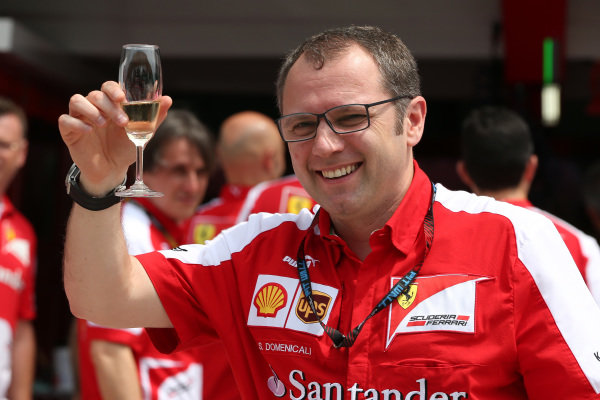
x=322 y=115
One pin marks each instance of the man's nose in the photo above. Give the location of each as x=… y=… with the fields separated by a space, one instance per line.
x=192 y=180
x=326 y=140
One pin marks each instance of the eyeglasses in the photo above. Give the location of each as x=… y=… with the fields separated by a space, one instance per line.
x=343 y=119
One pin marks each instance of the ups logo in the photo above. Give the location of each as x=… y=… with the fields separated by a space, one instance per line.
x=304 y=312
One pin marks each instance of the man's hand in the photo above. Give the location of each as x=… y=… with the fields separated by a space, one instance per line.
x=95 y=135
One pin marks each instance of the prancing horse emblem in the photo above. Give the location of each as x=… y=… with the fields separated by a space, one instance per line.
x=405 y=300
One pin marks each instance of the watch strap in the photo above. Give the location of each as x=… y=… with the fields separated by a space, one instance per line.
x=86 y=200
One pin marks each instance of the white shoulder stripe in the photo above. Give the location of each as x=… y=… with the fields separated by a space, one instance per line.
x=546 y=257
x=236 y=238
x=589 y=249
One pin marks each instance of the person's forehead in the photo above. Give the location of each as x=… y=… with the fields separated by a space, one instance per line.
x=181 y=150
x=354 y=59
x=10 y=127
x=350 y=77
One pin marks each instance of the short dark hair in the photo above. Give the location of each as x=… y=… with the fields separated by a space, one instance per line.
x=496 y=144
x=180 y=124
x=9 y=107
x=396 y=64
x=591 y=187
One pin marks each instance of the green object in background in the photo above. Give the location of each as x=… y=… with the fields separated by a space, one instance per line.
x=548 y=67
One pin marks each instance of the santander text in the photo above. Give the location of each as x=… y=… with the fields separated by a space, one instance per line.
x=335 y=391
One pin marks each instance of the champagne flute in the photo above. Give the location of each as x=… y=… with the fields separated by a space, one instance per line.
x=140 y=77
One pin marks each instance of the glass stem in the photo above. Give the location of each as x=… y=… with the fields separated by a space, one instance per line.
x=139 y=164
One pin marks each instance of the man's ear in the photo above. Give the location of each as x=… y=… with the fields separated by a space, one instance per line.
x=267 y=161
x=415 y=120
x=461 y=171
x=530 y=168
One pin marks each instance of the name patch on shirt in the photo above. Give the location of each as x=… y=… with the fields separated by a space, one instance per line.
x=279 y=302
x=434 y=303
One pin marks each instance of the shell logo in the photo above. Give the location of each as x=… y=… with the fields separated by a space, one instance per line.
x=270 y=298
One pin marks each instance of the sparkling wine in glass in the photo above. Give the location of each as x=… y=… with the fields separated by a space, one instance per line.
x=140 y=78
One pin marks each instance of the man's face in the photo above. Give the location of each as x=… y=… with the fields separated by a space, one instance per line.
x=355 y=175
x=182 y=176
x=13 y=149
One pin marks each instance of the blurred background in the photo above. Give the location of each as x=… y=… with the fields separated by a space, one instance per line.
x=220 y=57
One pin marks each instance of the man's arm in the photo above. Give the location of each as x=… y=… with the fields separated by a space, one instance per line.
x=23 y=362
x=101 y=278
x=102 y=282
x=116 y=371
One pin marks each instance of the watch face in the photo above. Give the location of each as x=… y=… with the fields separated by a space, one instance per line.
x=71 y=176
x=73 y=172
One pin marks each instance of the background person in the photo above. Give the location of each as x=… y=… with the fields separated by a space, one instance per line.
x=249 y=151
x=282 y=195
x=17 y=265
x=123 y=363
x=498 y=160
x=384 y=237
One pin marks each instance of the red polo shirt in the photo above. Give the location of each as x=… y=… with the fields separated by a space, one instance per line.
x=498 y=311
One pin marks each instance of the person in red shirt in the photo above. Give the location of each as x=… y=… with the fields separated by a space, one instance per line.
x=123 y=363
x=498 y=160
x=18 y=245
x=249 y=151
x=394 y=288
x=282 y=195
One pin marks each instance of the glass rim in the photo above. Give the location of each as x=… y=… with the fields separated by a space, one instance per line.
x=140 y=45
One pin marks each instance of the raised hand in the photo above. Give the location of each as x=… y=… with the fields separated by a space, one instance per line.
x=95 y=135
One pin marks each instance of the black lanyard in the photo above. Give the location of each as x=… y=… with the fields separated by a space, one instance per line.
x=400 y=288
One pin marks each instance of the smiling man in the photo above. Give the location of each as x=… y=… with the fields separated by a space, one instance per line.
x=396 y=288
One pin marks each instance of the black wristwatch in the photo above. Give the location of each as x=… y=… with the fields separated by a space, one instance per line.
x=83 y=198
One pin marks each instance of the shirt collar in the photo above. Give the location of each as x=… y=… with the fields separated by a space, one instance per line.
x=6 y=206
x=519 y=202
x=407 y=221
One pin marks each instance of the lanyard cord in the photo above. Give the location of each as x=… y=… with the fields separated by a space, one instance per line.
x=400 y=288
